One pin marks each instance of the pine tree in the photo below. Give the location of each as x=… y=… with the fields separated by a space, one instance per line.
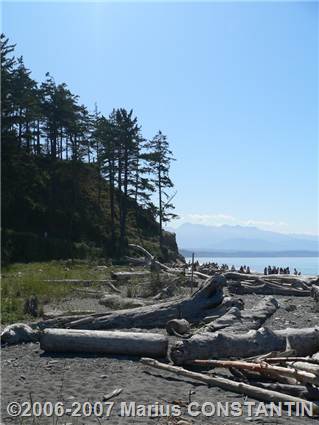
x=126 y=137
x=159 y=157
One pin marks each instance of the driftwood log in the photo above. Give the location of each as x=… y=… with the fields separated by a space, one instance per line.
x=315 y=294
x=285 y=279
x=18 y=333
x=244 y=320
x=125 y=276
x=120 y=302
x=277 y=284
x=236 y=387
x=225 y=344
x=103 y=342
x=307 y=367
x=263 y=368
x=306 y=392
x=199 y=305
x=157 y=266
x=85 y=282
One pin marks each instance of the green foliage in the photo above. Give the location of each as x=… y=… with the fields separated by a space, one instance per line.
x=20 y=281
x=75 y=184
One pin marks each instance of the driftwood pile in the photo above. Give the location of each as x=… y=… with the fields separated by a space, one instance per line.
x=239 y=283
x=214 y=331
x=264 y=385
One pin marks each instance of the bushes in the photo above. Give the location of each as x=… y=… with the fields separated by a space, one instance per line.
x=27 y=247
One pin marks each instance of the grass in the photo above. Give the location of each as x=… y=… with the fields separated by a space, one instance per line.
x=21 y=281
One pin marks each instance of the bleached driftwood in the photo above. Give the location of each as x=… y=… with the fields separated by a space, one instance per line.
x=307 y=367
x=264 y=369
x=103 y=342
x=244 y=320
x=236 y=387
x=288 y=279
x=54 y=314
x=265 y=288
x=124 y=276
x=276 y=284
x=157 y=266
x=223 y=344
x=19 y=333
x=120 y=302
x=77 y=281
x=203 y=301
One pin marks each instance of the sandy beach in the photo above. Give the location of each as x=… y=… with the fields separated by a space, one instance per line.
x=30 y=374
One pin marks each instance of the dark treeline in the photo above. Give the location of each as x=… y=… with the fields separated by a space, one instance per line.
x=50 y=142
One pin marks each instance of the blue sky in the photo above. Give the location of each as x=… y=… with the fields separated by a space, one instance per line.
x=233 y=85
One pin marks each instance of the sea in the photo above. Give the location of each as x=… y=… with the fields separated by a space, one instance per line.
x=305 y=265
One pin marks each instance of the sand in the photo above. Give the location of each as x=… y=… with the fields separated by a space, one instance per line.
x=28 y=373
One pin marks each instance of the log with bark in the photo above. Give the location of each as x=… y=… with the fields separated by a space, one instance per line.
x=103 y=342
x=225 y=344
x=264 y=368
x=236 y=387
x=200 y=304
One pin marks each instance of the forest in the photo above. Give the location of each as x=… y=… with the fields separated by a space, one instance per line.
x=77 y=183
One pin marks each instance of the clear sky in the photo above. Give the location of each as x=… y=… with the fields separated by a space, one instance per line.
x=233 y=85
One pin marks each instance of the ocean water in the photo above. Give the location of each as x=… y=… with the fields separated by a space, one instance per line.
x=305 y=265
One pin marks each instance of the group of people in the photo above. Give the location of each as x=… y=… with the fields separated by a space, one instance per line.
x=242 y=269
x=280 y=270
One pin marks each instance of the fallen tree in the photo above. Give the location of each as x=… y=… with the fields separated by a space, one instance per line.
x=155 y=265
x=199 y=305
x=264 y=368
x=103 y=342
x=236 y=387
x=226 y=344
x=244 y=320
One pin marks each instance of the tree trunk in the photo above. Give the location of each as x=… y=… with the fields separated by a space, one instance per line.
x=201 y=304
x=103 y=342
x=221 y=345
x=112 y=209
x=160 y=207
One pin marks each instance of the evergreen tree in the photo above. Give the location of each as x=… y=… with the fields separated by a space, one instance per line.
x=160 y=157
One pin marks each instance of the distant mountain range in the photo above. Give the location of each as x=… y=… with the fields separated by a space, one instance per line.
x=237 y=240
